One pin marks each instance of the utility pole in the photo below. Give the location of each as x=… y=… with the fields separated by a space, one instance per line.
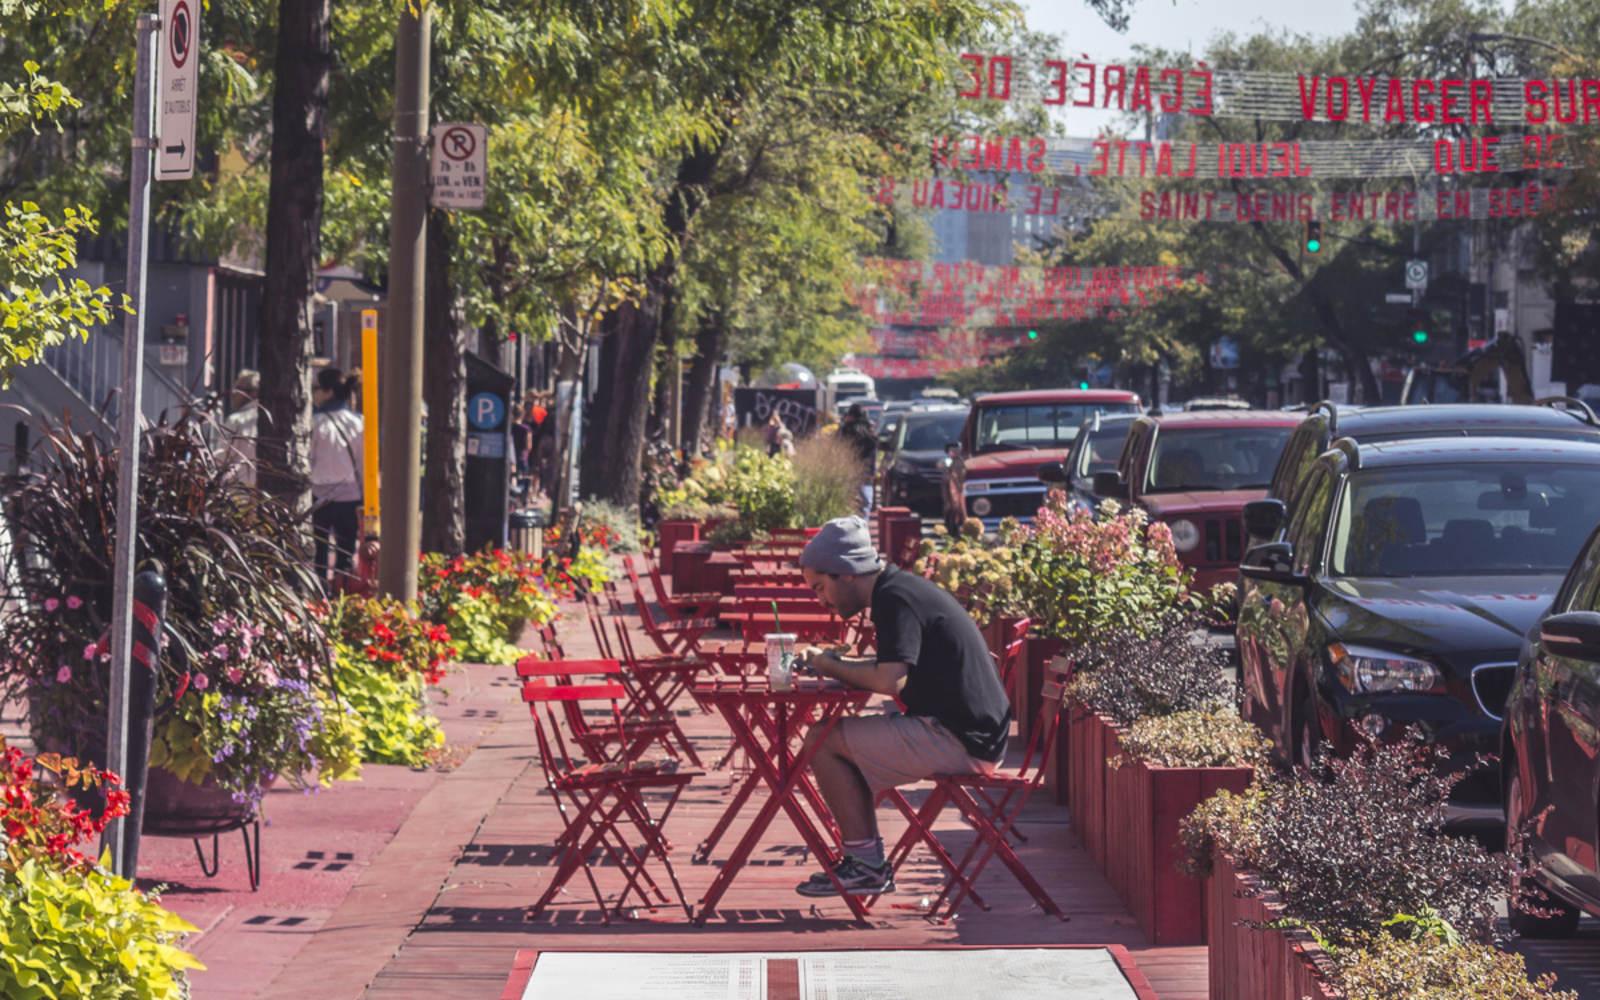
x=401 y=368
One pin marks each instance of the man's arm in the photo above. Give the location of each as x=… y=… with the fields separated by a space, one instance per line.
x=857 y=671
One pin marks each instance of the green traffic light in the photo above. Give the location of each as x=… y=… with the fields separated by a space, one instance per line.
x=1083 y=385
x=1313 y=246
x=1033 y=334
x=1420 y=336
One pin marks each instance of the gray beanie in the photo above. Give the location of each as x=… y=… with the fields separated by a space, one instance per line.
x=843 y=547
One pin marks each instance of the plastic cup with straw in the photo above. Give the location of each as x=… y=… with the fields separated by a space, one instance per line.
x=780 y=660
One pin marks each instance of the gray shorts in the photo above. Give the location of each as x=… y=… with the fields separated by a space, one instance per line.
x=894 y=749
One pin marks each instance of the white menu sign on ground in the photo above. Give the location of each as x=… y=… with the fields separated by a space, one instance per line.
x=1012 y=973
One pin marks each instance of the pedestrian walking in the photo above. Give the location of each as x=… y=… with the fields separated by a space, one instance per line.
x=238 y=441
x=856 y=431
x=336 y=472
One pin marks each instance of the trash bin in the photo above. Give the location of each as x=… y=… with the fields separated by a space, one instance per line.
x=527 y=531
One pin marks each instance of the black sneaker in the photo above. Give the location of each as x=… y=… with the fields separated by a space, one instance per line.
x=856 y=876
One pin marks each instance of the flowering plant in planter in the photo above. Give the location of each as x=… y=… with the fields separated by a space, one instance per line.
x=485 y=600
x=238 y=580
x=68 y=927
x=384 y=654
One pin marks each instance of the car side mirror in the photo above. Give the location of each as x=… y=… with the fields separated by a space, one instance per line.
x=1575 y=634
x=1110 y=484
x=1264 y=518
x=1273 y=562
x=1052 y=472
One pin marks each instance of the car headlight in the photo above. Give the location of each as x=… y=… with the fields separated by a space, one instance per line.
x=1362 y=670
x=982 y=506
x=1185 y=536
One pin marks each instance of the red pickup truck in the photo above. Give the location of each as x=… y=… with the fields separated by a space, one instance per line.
x=1008 y=435
x=1196 y=471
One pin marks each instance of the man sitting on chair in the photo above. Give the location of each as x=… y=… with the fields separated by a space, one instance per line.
x=931 y=657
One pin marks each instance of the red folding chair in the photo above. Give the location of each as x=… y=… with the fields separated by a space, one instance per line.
x=1011 y=651
x=677 y=606
x=671 y=638
x=622 y=740
x=991 y=803
x=654 y=682
x=598 y=800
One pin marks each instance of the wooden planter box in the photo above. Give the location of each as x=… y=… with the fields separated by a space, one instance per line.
x=1086 y=737
x=669 y=534
x=1250 y=964
x=1144 y=805
x=1028 y=680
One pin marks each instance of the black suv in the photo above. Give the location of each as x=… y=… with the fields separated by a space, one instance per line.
x=1409 y=572
x=1550 y=751
x=1094 y=450
x=1557 y=417
x=913 y=475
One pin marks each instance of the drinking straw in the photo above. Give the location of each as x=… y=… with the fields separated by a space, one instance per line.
x=778 y=624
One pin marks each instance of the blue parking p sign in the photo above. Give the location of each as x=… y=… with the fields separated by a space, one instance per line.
x=486 y=411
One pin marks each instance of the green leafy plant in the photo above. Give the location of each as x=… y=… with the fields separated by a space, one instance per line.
x=485 y=600
x=1426 y=967
x=1195 y=738
x=762 y=488
x=608 y=527
x=238 y=584
x=87 y=933
x=392 y=637
x=964 y=563
x=391 y=714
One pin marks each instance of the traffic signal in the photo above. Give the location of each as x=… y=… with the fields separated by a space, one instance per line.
x=1419 y=335
x=1313 y=242
x=1033 y=334
x=1418 y=326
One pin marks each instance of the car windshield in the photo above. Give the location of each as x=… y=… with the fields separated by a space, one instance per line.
x=1464 y=520
x=1099 y=452
x=932 y=433
x=1037 y=425
x=1214 y=458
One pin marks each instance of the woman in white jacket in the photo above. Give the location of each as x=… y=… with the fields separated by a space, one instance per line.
x=336 y=469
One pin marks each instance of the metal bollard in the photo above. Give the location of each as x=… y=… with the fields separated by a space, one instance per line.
x=149 y=613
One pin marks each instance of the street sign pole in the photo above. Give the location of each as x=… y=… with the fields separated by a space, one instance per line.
x=144 y=147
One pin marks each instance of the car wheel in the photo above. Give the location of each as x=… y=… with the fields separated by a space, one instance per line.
x=1561 y=918
x=1307 y=734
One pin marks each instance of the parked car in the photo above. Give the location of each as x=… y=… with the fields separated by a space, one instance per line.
x=1196 y=471
x=1093 y=451
x=913 y=474
x=1401 y=592
x=1008 y=435
x=1550 y=752
x=1552 y=418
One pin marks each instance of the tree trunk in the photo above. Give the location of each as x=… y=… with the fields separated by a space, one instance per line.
x=613 y=444
x=444 y=390
x=697 y=401
x=293 y=247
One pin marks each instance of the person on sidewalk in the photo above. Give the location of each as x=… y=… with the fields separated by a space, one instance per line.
x=856 y=431
x=337 y=445
x=931 y=657
x=239 y=430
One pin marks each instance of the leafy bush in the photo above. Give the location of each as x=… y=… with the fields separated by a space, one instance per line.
x=390 y=635
x=762 y=489
x=1427 y=968
x=1349 y=847
x=608 y=527
x=1128 y=674
x=87 y=933
x=231 y=556
x=1081 y=576
x=963 y=562
x=1196 y=738
x=695 y=510
x=392 y=720
x=827 y=480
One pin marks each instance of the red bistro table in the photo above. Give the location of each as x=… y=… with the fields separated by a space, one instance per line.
x=764 y=722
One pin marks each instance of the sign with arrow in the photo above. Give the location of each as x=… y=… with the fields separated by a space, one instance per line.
x=178 y=92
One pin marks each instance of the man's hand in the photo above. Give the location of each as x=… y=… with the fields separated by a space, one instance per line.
x=812 y=658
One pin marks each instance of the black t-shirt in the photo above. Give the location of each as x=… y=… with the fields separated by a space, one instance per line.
x=950 y=675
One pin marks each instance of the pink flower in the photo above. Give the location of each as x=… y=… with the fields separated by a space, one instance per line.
x=219 y=651
x=235 y=675
x=89 y=651
x=51 y=604
x=268 y=674
x=64 y=674
x=201 y=682
x=74 y=602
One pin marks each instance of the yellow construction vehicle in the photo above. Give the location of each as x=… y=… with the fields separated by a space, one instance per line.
x=1475 y=377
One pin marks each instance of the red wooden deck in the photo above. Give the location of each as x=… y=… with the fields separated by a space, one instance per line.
x=465 y=943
